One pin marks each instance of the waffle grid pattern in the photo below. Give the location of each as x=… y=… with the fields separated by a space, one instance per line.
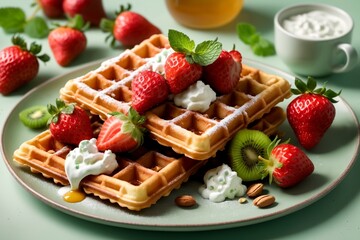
x=197 y=135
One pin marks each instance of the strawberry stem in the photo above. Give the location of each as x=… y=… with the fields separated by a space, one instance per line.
x=310 y=87
x=61 y=107
x=35 y=48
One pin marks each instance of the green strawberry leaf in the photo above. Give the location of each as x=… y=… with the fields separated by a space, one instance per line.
x=300 y=86
x=19 y=41
x=35 y=48
x=36 y=28
x=310 y=87
x=12 y=19
x=311 y=84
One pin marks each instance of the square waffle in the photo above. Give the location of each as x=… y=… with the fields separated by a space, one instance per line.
x=196 y=135
x=142 y=177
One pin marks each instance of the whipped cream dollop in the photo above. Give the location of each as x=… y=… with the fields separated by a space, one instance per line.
x=87 y=160
x=315 y=25
x=222 y=183
x=197 y=97
x=158 y=61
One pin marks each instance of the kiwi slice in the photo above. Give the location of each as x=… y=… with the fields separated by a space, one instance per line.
x=35 y=116
x=244 y=150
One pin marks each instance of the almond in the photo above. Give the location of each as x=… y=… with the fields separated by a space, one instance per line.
x=185 y=201
x=264 y=201
x=255 y=190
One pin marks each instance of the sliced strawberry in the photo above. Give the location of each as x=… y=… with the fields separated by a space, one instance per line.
x=149 y=89
x=224 y=74
x=121 y=133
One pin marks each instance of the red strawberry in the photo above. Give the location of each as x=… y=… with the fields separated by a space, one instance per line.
x=184 y=67
x=312 y=113
x=121 y=133
x=91 y=10
x=288 y=165
x=129 y=28
x=149 y=89
x=52 y=8
x=224 y=74
x=67 y=42
x=179 y=73
x=19 y=65
x=69 y=124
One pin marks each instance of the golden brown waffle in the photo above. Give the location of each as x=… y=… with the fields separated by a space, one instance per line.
x=197 y=135
x=142 y=178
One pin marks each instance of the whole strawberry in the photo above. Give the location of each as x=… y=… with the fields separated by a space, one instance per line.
x=185 y=66
x=18 y=64
x=121 y=133
x=69 y=41
x=149 y=89
x=69 y=124
x=52 y=8
x=129 y=28
x=91 y=10
x=287 y=165
x=311 y=113
x=179 y=73
x=223 y=75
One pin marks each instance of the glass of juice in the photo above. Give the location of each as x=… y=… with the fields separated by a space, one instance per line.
x=204 y=14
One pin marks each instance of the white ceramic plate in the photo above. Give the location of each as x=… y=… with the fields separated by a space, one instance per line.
x=332 y=158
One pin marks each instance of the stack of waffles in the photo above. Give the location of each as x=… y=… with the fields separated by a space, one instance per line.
x=180 y=141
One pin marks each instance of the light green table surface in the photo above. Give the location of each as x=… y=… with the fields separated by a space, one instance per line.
x=336 y=216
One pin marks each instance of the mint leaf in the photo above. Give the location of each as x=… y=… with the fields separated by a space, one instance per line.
x=259 y=45
x=180 y=42
x=207 y=52
x=263 y=47
x=245 y=32
x=204 y=53
x=36 y=28
x=12 y=19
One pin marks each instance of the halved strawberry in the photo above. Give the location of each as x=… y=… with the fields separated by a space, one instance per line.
x=121 y=133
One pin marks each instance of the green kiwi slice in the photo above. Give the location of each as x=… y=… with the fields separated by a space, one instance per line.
x=244 y=150
x=35 y=117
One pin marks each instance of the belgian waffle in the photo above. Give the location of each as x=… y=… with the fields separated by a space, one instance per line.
x=196 y=135
x=142 y=177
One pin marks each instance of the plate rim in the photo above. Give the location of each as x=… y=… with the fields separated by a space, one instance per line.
x=177 y=227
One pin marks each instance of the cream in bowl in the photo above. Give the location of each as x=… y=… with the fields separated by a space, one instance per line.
x=315 y=39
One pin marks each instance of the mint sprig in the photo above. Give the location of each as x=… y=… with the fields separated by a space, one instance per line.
x=259 y=45
x=13 y=20
x=203 y=54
